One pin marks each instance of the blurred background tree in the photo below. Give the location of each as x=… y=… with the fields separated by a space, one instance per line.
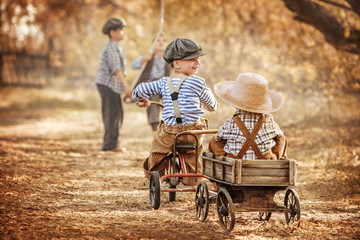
x=307 y=49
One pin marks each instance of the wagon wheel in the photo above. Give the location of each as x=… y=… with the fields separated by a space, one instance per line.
x=264 y=216
x=292 y=205
x=202 y=201
x=225 y=209
x=155 y=190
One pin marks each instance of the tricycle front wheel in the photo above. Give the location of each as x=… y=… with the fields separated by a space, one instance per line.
x=155 y=190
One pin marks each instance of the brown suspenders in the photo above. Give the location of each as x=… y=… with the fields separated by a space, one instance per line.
x=250 y=137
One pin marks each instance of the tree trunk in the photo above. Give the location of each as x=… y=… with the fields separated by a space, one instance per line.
x=355 y=5
x=313 y=14
x=1 y=55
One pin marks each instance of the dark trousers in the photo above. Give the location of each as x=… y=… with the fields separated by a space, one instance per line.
x=112 y=114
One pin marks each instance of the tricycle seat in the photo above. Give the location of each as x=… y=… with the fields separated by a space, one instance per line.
x=183 y=146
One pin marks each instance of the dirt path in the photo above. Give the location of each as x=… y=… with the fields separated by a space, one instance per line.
x=55 y=183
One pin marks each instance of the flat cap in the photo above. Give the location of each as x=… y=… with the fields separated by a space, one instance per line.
x=112 y=24
x=182 y=48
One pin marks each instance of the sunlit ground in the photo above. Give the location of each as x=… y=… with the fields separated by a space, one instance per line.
x=56 y=183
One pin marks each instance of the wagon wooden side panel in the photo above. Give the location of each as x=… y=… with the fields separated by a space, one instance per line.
x=258 y=172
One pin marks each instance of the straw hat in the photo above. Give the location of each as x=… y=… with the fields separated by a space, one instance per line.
x=249 y=92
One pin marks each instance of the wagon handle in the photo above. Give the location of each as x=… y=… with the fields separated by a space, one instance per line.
x=205 y=131
x=193 y=133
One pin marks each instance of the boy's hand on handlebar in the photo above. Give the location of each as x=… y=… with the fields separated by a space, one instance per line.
x=128 y=94
x=143 y=103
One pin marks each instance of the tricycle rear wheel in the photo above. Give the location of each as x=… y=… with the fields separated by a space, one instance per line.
x=172 y=195
x=202 y=201
x=264 y=216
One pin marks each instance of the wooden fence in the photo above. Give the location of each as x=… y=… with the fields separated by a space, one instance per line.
x=24 y=69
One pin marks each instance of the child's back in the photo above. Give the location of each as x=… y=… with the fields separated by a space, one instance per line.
x=252 y=132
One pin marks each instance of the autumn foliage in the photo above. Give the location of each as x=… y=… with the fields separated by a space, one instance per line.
x=239 y=36
x=55 y=182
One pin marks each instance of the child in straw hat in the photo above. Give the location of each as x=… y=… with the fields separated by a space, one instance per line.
x=252 y=132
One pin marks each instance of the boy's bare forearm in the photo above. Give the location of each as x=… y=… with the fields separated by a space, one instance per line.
x=120 y=75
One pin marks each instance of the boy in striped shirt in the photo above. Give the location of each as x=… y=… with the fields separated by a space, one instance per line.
x=183 y=56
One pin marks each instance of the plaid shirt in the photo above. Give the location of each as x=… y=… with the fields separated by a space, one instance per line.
x=112 y=60
x=235 y=138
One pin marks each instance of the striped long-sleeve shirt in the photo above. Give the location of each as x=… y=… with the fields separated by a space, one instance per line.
x=192 y=93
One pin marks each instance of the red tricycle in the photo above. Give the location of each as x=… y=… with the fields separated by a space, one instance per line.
x=237 y=184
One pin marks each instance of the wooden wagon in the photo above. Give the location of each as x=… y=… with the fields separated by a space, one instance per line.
x=251 y=185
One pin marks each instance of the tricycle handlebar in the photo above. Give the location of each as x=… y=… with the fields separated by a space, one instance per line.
x=151 y=103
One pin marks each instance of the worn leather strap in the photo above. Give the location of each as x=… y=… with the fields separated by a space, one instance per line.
x=174 y=97
x=250 y=138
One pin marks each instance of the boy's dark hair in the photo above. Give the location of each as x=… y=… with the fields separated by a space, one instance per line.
x=113 y=24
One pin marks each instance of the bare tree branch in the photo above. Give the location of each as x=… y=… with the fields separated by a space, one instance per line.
x=335 y=4
x=355 y=5
x=334 y=33
x=103 y=3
